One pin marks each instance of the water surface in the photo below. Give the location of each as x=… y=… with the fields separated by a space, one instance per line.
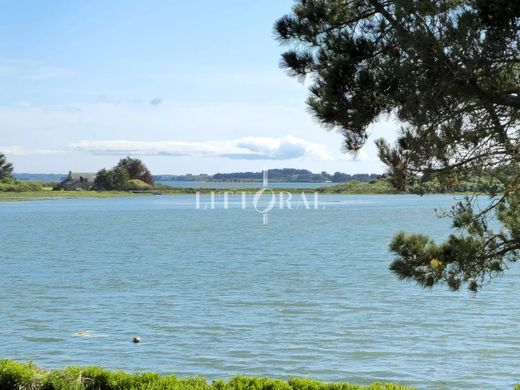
x=217 y=293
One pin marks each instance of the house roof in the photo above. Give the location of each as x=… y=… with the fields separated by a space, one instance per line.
x=76 y=176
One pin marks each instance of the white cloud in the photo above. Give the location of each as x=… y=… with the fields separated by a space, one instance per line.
x=248 y=148
x=226 y=134
x=16 y=150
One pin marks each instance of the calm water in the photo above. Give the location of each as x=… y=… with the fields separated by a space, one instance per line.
x=243 y=184
x=216 y=293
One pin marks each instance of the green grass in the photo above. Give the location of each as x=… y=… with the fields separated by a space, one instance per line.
x=28 y=194
x=136 y=184
x=11 y=185
x=27 y=376
x=47 y=194
x=19 y=191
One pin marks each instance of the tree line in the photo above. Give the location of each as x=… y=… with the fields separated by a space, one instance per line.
x=280 y=175
x=123 y=176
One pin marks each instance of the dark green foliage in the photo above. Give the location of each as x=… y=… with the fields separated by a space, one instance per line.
x=120 y=177
x=20 y=376
x=6 y=168
x=468 y=257
x=380 y=186
x=111 y=180
x=104 y=180
x=136 y=170
x=117 y=179
x=275 y=175
x=449 y=71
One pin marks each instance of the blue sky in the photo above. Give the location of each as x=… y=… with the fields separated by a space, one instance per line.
x=188 y=87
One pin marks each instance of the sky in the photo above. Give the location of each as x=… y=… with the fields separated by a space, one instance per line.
x=186 y=86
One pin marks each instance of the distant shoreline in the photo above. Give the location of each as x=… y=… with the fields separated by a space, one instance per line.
x=287 y=175
x=28 y=196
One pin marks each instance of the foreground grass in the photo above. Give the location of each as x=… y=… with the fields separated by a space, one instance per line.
x=26 y=376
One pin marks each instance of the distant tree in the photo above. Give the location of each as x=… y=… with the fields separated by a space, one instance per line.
x=450 y=72
x=115 y=179
x=136 y=169
x=340 y=177
x=6 y=168
x=104 y=180
x=120 y=178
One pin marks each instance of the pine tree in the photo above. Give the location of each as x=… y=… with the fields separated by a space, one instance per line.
x=449 y=71
x=6 y=169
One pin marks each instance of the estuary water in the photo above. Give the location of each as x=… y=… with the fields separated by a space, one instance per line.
x=215 y=292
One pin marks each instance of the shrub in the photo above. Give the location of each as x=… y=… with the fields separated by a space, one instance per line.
x=26 y=376
x=136 y=184
x=12 y=185
x=136 y=170
x=114 y=179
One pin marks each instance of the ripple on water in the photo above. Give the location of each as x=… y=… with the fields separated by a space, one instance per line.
x=216 y=293
x=43 y=339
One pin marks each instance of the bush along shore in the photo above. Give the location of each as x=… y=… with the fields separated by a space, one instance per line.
x=26 y=376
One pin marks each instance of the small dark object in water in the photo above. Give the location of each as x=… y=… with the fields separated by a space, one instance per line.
x=136 y=340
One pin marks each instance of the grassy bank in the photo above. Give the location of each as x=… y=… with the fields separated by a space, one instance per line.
x=48 y=194
x=20 y=191
x=44 y=195
x=26 y=376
